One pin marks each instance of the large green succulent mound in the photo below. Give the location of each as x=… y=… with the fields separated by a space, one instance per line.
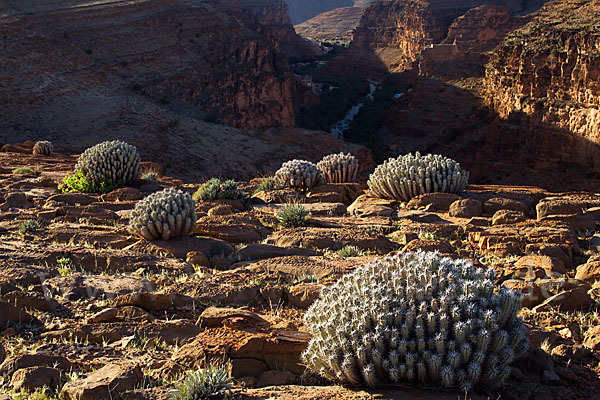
x=416 y=318
x=410 y=175
x=339 y=168
x=167 y=214
x=112 y=161
x=299 y=174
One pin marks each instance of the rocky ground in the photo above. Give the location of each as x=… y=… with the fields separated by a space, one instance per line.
x=86 y=307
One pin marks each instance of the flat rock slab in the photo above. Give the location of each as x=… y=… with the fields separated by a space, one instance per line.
x=179 y=248
x=213 y=316
x=258 y=251
x=332 y=238
x=11 y=314
x=78 y=286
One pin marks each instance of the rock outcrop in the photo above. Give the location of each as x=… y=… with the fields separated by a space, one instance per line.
x=548 y=72
x=72 y=65
x=332 y=25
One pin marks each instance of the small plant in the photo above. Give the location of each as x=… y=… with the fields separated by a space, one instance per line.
x=23 y=171
x=210 y=383
x=292 y=215
x=350 y=251
x=339 y=168
x=150 y=176
x=29 y=226
x=215 y=189
x=77 y=182
x=268 y=184
x=65 y=266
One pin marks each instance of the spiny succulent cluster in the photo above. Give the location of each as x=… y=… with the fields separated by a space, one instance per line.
x=114 y=161
x=215 y=189
x=416 y=318
x=410 y=175
x=43 y=147
x=299 y=174
x=339 y=168
x=164 y=215
x=210 y=383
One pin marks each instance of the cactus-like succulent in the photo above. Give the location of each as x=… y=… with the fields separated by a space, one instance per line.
x=415 y=318
x=410 y=175
x=163 y=215
x=215 y=189
x=114 y=161
x=339 y=168
x=299 y=174
x=43 y=147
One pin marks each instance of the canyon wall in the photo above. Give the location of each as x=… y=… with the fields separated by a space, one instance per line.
x=549 y=71
x=68 y=65
x=303 y=10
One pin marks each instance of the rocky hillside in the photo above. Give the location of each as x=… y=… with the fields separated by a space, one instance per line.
x=74 y=67
x=303 y=10
x=332 y=25
x=549 y=71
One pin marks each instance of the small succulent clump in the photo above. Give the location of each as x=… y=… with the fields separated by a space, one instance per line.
x=23 y=171
x=339 y=168
x=163 y=215
x=299 y=174
x=214 y=189
x=150 y=176
x=268 y=184
x=112 y=162
x=350 y=251
x=416 y=318
x=410 y=175
x=43 y=147
x=29 y=226
x=210 y=383
x=292 y=215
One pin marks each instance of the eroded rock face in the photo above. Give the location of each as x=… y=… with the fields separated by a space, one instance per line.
x=548 y=70
x=201 y=54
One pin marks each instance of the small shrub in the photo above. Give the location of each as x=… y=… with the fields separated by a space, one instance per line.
x=268 y=184
x=151 y=176
x=210 y=383
x=23 y=171
x=215 y=189
x=29 y=226
x=292 y=215
x=350 y=251
x=77 y=182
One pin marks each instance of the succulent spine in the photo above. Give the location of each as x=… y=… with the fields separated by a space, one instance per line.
x=410 y=175
x=415 y=318
x=299 y=174
x=164 y=215
x=114 y=160
x=43 y=147
x=339 y=168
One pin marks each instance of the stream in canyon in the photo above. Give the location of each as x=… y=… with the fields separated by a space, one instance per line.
x=342 y=125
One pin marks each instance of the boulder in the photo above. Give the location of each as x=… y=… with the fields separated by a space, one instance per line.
x=589 y=272
x=303 y=295
x=12 y=314
x=366 y=206
x=466 y=208
x=592 y=338
x=433 y=201
x=105 y=383
x=491 y=206
x=576 y=299
x=33 y=378
x=505 y=217
x=214 y=316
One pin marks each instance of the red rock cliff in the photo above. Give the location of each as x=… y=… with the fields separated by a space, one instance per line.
x=549 y=70
x=75 y=58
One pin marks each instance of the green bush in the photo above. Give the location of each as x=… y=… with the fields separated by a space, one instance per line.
x=210 y=383
x=214 y=189
x=23 y=171
x=29 y=226
x=77 y=182
x=416 y=319
x=350 y=251
x=292 y=215
x=268 y=184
